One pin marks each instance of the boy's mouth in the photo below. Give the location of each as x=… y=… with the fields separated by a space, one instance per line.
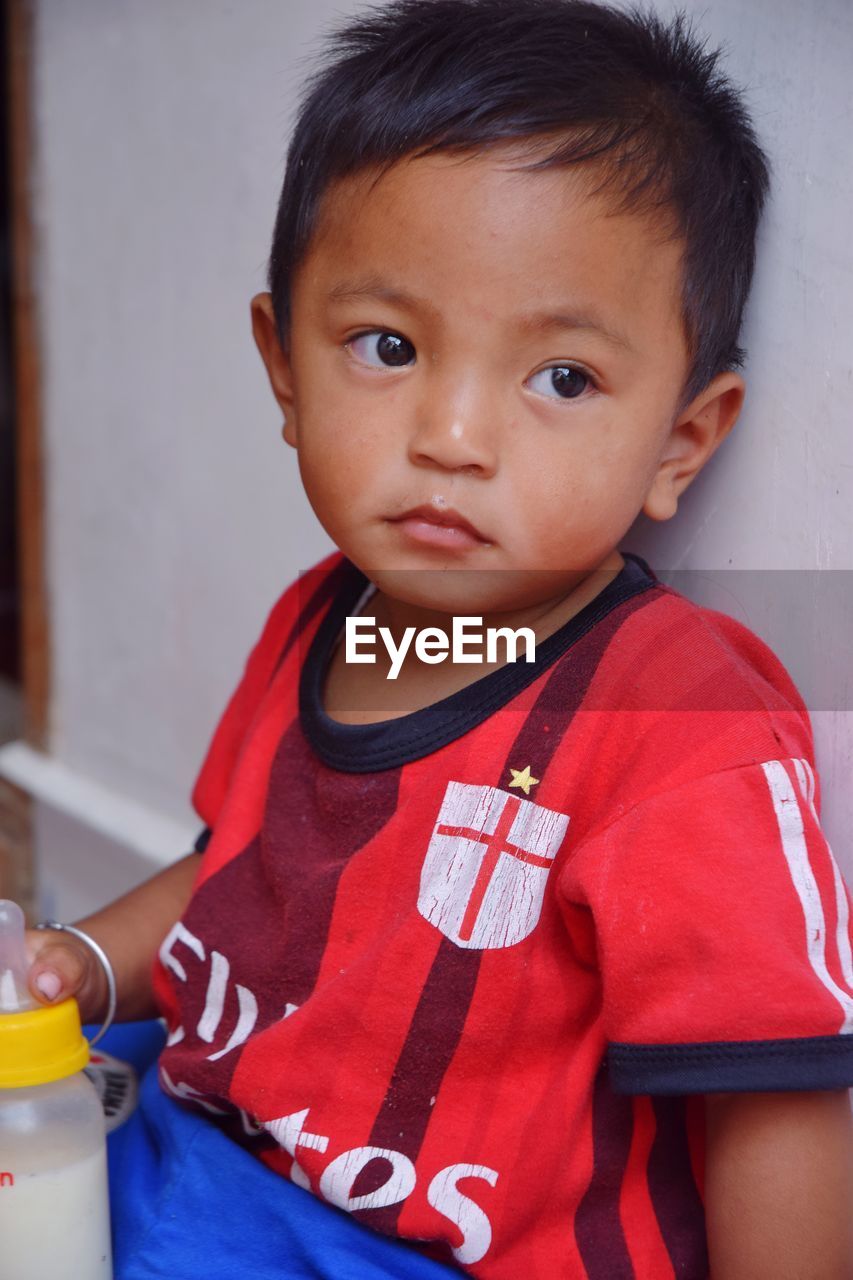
x=446 y=527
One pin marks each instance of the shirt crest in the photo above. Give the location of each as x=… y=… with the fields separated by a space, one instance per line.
x=488 y=860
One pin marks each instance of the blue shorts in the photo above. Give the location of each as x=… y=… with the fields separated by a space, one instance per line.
x=188 y=1203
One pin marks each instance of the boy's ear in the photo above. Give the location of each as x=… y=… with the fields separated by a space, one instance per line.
x=276 y=361
x=693 y=437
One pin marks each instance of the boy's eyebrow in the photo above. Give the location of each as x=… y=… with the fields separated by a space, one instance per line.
x=543 y=321
x=530 y=322
x=352 y=290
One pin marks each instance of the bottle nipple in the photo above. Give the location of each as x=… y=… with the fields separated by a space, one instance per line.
x=14 y=995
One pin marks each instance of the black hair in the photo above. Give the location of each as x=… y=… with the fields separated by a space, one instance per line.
x=638 y=97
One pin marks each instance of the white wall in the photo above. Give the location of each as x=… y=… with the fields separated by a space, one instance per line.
x=175 y=514
x=776 y=502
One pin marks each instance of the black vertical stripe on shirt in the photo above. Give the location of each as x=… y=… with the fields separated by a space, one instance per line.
x=598 y=1227
x=315 y=821
x=427 y=1052
x=674 y=1194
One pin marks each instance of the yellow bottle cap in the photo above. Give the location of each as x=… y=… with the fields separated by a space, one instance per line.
x=40 y=1045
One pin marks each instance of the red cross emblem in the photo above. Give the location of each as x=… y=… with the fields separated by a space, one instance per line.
x=483 y=878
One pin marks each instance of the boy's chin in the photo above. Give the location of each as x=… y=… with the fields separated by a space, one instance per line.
x=475 y=591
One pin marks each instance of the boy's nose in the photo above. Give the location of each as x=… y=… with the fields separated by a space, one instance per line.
x=456 y=431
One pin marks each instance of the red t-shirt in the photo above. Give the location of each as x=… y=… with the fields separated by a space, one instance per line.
x=463 y=973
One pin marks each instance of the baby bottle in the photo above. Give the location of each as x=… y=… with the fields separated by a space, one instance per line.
x=54 y=1209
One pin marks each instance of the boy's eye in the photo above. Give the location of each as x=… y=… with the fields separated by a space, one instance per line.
x=380 y=348
x=561 y=380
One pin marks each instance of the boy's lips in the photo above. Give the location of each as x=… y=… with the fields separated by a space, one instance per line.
x=443 y=527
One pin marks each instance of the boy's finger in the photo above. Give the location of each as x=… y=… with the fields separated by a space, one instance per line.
x=59 y=971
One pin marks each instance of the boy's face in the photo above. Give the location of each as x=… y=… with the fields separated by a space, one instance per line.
x=469 y=337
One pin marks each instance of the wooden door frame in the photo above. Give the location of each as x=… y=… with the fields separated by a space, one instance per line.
x=17 y=860
x=26 y=366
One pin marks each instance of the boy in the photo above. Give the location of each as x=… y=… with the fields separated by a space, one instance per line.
x=543 y=967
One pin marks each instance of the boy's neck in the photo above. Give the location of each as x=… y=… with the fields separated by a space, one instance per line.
x=363 y=694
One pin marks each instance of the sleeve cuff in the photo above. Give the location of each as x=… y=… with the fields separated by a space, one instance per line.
x=203 y=840
x=739 y=1066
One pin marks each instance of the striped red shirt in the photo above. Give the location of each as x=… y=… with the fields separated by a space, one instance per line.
x=464 y=973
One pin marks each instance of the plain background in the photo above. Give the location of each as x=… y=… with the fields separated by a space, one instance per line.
x=175 y=515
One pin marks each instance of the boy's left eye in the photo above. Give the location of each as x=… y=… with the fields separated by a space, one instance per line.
x=561 y=381
x=382 y=349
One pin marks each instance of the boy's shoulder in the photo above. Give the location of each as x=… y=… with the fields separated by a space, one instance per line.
x=286 y=626
x=682 y=655
x=303 y=600
x=690 y=693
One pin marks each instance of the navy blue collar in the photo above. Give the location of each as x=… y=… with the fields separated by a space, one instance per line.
x=387 y=744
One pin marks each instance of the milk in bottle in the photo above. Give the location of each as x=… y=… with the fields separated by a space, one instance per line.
x=54 y=1210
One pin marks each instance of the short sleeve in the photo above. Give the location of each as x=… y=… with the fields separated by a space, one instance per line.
x=722 y=931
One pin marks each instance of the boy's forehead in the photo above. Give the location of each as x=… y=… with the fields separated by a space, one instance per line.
x=522 y=239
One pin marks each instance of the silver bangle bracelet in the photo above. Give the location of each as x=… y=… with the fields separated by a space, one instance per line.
x=104 y=959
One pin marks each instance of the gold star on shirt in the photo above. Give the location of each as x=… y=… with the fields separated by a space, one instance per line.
x=524 y=779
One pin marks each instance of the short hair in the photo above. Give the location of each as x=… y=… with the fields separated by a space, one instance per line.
x=640 y=99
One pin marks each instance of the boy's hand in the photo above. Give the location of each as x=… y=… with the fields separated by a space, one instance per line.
x=130 y=931
x=62 y=966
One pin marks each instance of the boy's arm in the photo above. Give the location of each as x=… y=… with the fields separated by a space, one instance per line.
x=779 y=1186
x=130 y=930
